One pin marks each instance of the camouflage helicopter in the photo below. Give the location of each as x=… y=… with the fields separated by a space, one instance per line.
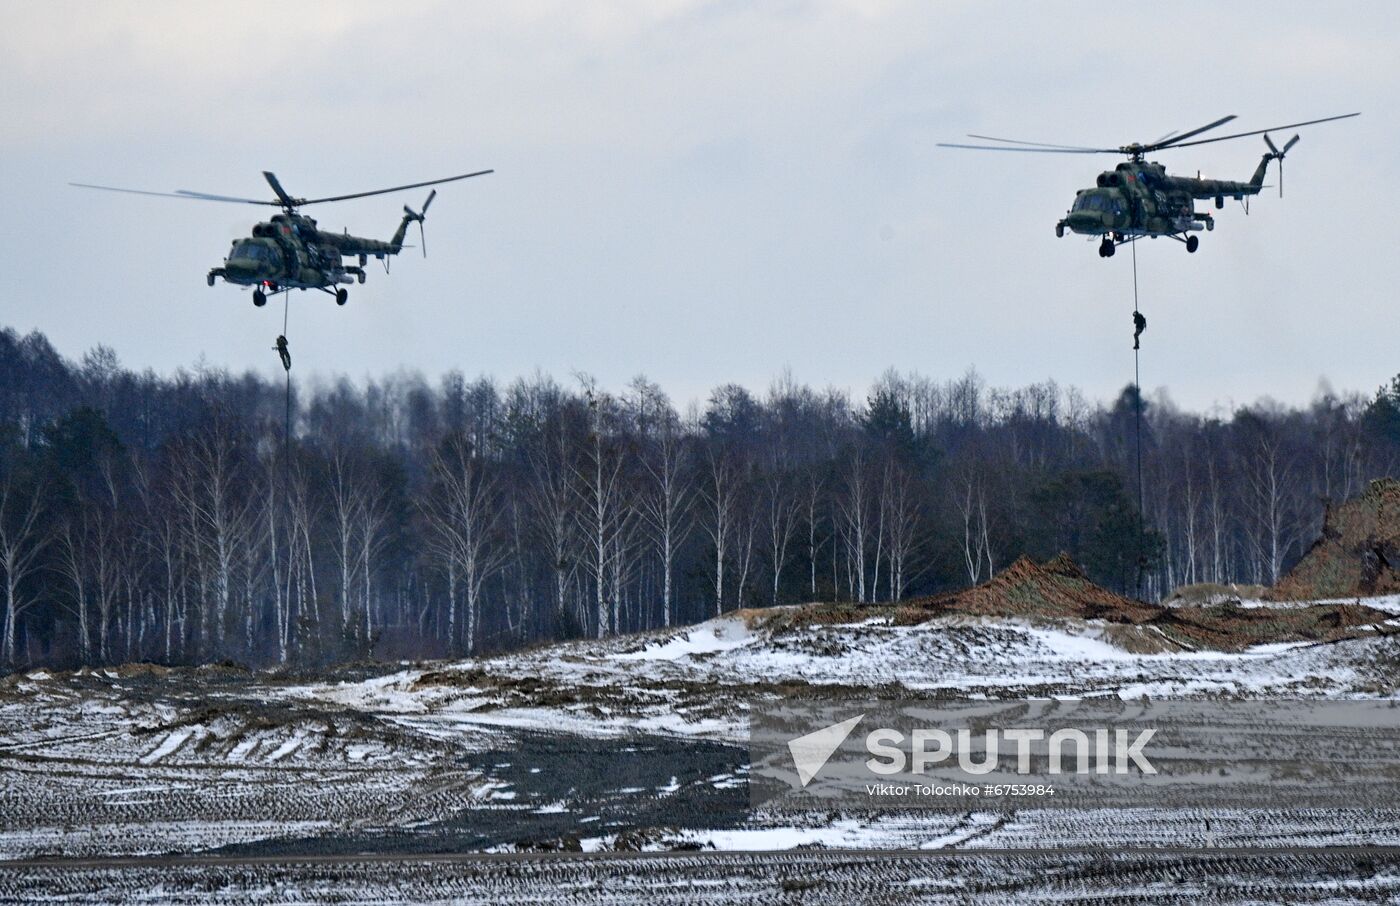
x=289 y=252
x=1137 y=198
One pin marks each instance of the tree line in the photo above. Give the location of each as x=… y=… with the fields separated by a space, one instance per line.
x=177 y=519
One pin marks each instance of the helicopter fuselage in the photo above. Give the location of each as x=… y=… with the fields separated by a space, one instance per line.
x=290 y=252
x=1138 y=198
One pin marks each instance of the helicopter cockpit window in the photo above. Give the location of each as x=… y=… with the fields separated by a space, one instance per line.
x=1091 y=202
x=251 y=250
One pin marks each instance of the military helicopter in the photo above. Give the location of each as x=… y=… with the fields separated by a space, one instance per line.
x=289 y=252
x=1137 y=198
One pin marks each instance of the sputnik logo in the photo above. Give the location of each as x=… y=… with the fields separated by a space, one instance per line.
x=811 y=752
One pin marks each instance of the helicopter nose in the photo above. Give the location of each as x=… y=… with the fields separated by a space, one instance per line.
x=1084 y=222
x=241 y=268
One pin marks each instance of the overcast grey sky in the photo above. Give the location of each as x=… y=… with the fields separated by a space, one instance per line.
x=708 y=192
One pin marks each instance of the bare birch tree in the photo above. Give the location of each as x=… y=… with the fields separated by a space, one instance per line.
x=854 y=506
x=781 y=513
x=901 y=508
x=552 y=502
x=719 y=494
x=604 y=514
x=666 y=506
x=23 y=538
x=468 y=517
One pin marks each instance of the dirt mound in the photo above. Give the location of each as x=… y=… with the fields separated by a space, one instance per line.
x=140 y=668
x=1358 y=554
x=1205 y=594
x=1057 y=588
x=1229 y=627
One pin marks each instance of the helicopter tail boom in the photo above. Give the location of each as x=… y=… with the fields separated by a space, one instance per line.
x=1257 y=180
x=378 y=248
x=396 y=243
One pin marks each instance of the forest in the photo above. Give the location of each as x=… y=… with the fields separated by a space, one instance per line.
x=206 y=516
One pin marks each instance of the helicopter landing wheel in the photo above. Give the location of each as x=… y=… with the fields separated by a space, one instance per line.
x=209 y=278
x=1192 y=243
x=259 y=298
x=360 y=277
x=1106 y=249
x=341 y=295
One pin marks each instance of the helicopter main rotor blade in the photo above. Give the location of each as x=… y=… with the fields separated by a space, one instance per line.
x=1031 y=150
x=205 y=196
x=1167 y=143
x=188 y=196
x=1222 y=138
x=415 y=185
x=1012 y=141
x=282 y=196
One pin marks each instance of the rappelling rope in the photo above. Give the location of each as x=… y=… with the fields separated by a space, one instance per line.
x=287 y=430
x=1137 y=406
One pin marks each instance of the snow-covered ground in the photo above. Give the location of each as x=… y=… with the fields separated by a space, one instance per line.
x=634 y=743
x=1386 y=603
x=696 y=681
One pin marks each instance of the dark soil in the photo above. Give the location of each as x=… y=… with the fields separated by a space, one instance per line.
x=1358 y=554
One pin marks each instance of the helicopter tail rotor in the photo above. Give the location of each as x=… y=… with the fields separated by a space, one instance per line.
x=419 y=216
x=1277 y=154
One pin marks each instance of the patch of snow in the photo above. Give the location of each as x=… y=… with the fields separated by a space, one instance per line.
x=172 y=741
x=552 y=808
x=845 y=833
x=974 y=825
x=1074 y=646
x=1273 y=648
x=288 y=747
x=126 y=791
x=723 y=634
x=240 y=751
